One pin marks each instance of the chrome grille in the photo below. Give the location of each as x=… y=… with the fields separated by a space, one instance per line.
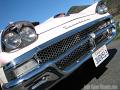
x=75 y=55
x=54 y=51
x=57 y=49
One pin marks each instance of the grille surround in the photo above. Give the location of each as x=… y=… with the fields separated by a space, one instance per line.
x=54 y=51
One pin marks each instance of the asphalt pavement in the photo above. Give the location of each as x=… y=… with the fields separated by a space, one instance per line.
x=88 y=77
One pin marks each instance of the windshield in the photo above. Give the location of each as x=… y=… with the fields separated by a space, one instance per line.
x=36 y=10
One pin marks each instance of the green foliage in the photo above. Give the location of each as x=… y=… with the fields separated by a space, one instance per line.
x=113 y=6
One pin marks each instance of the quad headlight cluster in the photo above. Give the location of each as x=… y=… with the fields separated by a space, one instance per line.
x=101 y=8
x=18 y=35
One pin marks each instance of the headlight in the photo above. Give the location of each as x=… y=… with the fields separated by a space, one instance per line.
x=18 y=35
x=101 y=8
x=12 y=40
x=28 y=34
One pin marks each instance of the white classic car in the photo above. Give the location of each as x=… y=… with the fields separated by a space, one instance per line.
x=37 y=56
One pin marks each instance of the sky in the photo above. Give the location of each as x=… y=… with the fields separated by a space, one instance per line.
x=34 y=10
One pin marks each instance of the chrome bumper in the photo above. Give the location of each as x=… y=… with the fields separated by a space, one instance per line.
x=47 y=74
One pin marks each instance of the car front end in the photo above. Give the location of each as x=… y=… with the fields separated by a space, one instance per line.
x=39 y=56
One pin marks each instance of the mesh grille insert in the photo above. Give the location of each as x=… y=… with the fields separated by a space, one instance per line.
x=55 y=50
x=75 y=55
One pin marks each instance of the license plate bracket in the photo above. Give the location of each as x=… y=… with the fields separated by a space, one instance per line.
x=100 y=55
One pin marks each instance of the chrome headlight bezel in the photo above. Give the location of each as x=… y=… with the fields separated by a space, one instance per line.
x=101 y=8
x=17 y=28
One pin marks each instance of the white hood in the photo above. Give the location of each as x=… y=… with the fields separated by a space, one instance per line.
x=54 y=22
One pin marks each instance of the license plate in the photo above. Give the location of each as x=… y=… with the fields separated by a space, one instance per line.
x=100 y=55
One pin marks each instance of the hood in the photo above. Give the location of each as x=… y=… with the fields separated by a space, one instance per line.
x=56 y=22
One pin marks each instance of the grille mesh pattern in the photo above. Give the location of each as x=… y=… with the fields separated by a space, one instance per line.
x=75 y=55
x=55 y=50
